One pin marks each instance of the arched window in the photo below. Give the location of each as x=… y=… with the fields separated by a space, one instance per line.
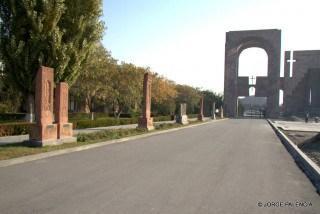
x=253 y=62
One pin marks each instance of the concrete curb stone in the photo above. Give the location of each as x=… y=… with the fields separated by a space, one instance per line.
x=311 y=169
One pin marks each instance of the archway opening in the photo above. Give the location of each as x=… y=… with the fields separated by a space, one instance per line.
x=253 y=63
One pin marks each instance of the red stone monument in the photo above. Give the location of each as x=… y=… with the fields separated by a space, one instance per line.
x=146 y=121
x=44 y=132
x=200 y=115
x=65 y=131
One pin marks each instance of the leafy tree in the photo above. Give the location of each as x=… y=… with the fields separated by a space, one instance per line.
x=126 y=89
x=54 y=33
x=190 y=96
x=163 y=94
x=209 y=98
x=92 y=84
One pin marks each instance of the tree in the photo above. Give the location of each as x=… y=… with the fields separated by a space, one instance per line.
x=163 y=94
x=54 y=33
x=190 y=96
x=209 y=98
x=93 y=83
x=126 y=89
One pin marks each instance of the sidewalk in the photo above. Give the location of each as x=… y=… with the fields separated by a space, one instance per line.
x=297 y=126
x=21 y=138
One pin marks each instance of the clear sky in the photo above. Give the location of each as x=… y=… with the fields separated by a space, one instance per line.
x=184 y=39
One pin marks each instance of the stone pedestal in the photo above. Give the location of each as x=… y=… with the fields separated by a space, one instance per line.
x=146 y=121
x=44 y=132
x=182 y=117
x=200 y=115
x=65 y=131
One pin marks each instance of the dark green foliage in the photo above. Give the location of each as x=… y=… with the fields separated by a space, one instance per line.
x=12 y=117
x=54 y=33
x=162 y=118
x=192 y=116
x=209 y=98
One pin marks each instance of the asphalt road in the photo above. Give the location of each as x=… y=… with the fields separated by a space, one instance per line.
x=224 y=167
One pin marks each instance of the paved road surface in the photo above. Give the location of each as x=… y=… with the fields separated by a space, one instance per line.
x=224 y=167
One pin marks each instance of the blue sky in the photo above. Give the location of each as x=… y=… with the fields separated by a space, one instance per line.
x=184 y=39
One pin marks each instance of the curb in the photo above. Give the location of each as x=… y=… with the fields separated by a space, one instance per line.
x=24 y=159
x=311 y=169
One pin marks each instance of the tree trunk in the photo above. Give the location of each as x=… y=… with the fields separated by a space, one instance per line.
x=30 y=107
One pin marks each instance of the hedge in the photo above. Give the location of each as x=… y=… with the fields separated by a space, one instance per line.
x=97 y=115
x=82 y=124
x=103 y=122
x=14 y=117
x=162 y=118
x=8 y=129
x=192 y=115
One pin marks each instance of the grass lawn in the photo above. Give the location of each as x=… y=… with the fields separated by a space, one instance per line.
x=17 y=150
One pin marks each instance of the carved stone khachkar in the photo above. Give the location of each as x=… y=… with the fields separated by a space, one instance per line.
x=44 y=132
x=213 y=111
x=146 y=121
x=65 y=131
x=182 y=117
x=200 y=115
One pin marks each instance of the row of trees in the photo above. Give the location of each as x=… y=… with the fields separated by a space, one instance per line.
x=117 y=87
x=65 y=35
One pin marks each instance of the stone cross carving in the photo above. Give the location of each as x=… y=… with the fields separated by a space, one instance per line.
x=61 y=112
x=291 y=61
x=200 y=115
x=44 y=132
x=146 y=121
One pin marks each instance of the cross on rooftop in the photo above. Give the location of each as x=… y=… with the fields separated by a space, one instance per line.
x=291 y=61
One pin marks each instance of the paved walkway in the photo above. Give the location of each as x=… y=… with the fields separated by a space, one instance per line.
x=21 y=138
x=298 y=126
x=226 y=167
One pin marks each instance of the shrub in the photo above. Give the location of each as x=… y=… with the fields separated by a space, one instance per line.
x=7 y=129
x=192 y=115
x=162 y=118
x=82 y=124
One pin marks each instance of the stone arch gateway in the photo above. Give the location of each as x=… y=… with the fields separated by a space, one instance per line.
x=235 y=86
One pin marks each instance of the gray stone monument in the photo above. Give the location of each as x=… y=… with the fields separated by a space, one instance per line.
x=221 y=112
x=182 y=117
x=200 y=115
x=213 y=111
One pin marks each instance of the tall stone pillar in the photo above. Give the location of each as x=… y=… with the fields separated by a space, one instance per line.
x=65 y=131
x=213 y=111
x=200 y=115
x=221 y=112
x=146 y=121
x=44 y=132
x=182 y=117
